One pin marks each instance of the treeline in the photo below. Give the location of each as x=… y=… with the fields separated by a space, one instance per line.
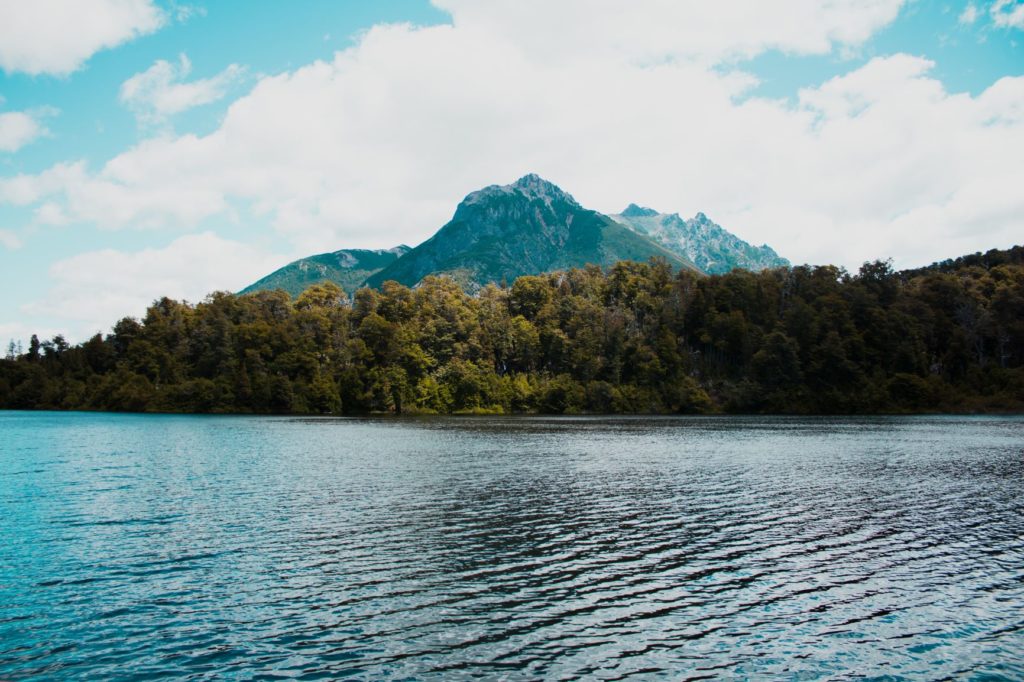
x=637 y=338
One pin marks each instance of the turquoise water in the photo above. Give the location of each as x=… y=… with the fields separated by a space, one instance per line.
x=520 y=548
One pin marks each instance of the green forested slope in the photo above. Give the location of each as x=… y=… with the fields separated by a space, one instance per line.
x=347 y=268
x=637 y=338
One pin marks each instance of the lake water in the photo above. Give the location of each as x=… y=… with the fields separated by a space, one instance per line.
x=518 y=548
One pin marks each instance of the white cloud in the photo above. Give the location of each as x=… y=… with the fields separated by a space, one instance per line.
x=1008 y=13
x=969 y=15
x=17 y=129
x=161 y=90
x=652 y=30
x=111 y=200
x=376 y=146
x=50 y=213
x=9 y=240
x=21 y=332
x=91 y=291
x=183 y=13
x=57 y=36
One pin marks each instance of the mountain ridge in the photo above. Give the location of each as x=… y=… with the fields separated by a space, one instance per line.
x=348 y=268
x=710 y=246
x=529 y=227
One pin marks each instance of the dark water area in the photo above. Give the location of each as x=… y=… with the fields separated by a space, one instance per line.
x=136 y=546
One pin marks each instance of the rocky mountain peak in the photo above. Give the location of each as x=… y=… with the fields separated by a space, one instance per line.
x=634 y=211
x=710 y=246
x=531 y=186
x=536 y=187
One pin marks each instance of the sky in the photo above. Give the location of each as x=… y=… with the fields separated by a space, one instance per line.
x=158 y=147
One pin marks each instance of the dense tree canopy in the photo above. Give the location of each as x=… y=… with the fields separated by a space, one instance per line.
x=634 y=338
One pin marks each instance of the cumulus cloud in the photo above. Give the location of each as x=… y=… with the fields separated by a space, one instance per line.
x=111 y=199
x=653 y=30
x=9 y=240
x=1008 y=13
x=375 y=146
x=17 y=129
x=19 y=332
x=90 y=291
x=162 y=91
x=57 y=36
x=969 y=15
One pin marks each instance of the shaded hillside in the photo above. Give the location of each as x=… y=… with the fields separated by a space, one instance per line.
x=347 y=268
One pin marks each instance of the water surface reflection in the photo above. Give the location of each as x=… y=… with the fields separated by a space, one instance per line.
x=515 y=547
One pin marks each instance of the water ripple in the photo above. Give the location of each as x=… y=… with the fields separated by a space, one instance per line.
x=515 y=548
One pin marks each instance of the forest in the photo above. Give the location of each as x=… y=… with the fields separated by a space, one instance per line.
x=635 y=338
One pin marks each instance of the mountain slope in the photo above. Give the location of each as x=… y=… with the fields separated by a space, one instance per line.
x=711 y=247
x=529 y=227
x=347 y=268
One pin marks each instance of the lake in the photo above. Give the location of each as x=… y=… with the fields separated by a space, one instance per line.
x=510 y=547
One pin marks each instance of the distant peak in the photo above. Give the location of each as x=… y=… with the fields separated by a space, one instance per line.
x=634 y=211
x=531 y=186
x=534 y=186
x=531 y=179
x=701 y=218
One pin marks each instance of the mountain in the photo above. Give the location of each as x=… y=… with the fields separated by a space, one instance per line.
x=529 y=227
x=348 y=269
x=711 y=247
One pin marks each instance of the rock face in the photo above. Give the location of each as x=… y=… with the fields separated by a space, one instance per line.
x=711 y=247
x=348 y=269
x=529 y=227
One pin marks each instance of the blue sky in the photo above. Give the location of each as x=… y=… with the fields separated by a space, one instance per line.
x=968 y=57
x=363 y=124
x=90 y=124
